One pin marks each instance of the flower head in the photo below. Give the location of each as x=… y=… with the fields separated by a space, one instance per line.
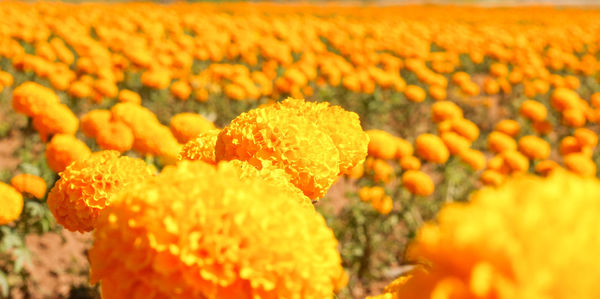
x=32 y=99
x=87 y=187
x=198 y=231
x=63 y=150
x=29 y=184
x=187 y=126
x=201 y=148
x=11 y=202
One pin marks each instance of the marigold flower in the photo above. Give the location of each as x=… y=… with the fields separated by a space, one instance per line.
x=384 y=205
x=115 y=135
x=533 y=110
x=586 y=137
x=445 y=110
x=465 y=128
x=564 y=98
x=186 y=126
x=543 y=127
x=29 y=184
x=580 y=163
x=515 y=161
x=569 y=145
x=93 y=121
x=534 y=147
x=11 y=202
x=87 y=187
x=198 y=231
x=181 y=90
x=499 y=142
x=455 y=143
x=33 y=99
x=356 y=172
x=491 y=247
x=201 y=148
x=403 y=148
x=473 y=158
x=156 y=78
x=383 y=172
x=415 y=93
x=417 y=182
x=128 y=96
x=80 y=90
x=410 y=163
x=508 y=126
x=56 y=119
x=545 y=167
x=382 y=144
x=63 y=150
x=574 y=118
x=431 y=148
x=491 y=177
x=437 y=92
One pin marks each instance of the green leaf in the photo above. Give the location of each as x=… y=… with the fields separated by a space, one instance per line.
x=3 y=285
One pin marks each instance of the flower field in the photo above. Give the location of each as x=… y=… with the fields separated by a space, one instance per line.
x=259 y=150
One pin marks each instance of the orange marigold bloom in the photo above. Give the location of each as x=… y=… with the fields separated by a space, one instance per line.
x=11 y=202
x=356 y=172
x=80 y=90
x=29 y=184
x=534 y=147
x=403 y=148
x=574 y=118
x=106 y=87
x=384 y=205
x=383 y=172
x=508 y=126
x=465 y=128
x=455 y=143
x=128 y=96
x=87 y=187
x=498 y=69
x=63 y=150
x=581 y=164
x=564 y=98
x=410 y=163
x=445 y=110
x=417 y=182
x=180 y=227
x=187 y=126
x=181 y=90
x=382 y=144
x=201 y=148
x=533 y=110
x=415 y=93
x=33 y=99
x=586 y=137
x=569 y=145
x=432 y=148
x=56 y=119
x=157 y=78
x=115 y=135
x=491 y=178
x=499 y=142
x=93 y=121
x=544 y=168
x=543 y=127
x=437 y=92
x=473 y=158
x=515 y=161
x=595 y=100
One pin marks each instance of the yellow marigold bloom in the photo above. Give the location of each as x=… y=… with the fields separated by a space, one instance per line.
x=491 y=86
x=455 y=143
x=595 y=100
x=106 y=88
x=586 y=137
x=157 y=78
x=382 y=144
x=465 y=128
x=415 y=93
x=473 y=158
x=581 y=164
x=498 y=69
x=343 y=127
x=492 y=246
x=569 y=145
x=574 y=118
x=533 y=110
x=128 y=96
x=491 y=178
x=187 y=126
x=29 y=184
x=80 y=90
x=546 y=167
x=564 y=98
x=201 y=148
x=508 y=126
x=63 y=150
x=543 y=127
x=417 y=182
x=410 y=163
x=534 y=147
x=196 y=231
x=87 y=187
x=56 y=119
x=499 y=142
x=445 y=110
x=32 y=99
x=115 y=135
x=299 y=137
x=371 y=193
x=11 y=202
x=470 y=88
x=431 y=148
